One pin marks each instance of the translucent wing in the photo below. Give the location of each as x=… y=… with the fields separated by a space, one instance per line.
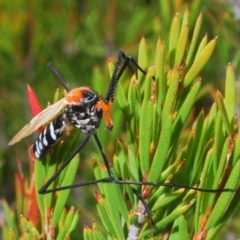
x=42 y=118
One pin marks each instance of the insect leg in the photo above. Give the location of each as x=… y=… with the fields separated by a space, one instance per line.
x=128 y=60
x=123 y=62
x=59 y=77
x=44 y=190
x=106 y=162
x=146 y=208
x=174 y=185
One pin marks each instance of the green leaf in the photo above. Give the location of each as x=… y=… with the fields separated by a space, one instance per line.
x=168 y=107
x=161 y=151
x=145 y=135
x=75 y=221
x=108 y=224
x=10 y=235
x=224 y=199
x=9 y=218
x=160 y=74
x=185 y=108
x=168 y=219
x=194 y=40
x=221 y=106
x=199 y=62
x=230 y=94
x=183 y=229
x=63 y=195
x=173 y=39
x=142 y=59
x=181 y=47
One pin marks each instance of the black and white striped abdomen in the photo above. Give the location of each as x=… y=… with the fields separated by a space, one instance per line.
x=49 y=137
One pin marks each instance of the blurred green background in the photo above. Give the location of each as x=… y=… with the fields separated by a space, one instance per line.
x=78 y=37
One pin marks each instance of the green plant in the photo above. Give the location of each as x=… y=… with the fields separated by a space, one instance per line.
x=164 y=142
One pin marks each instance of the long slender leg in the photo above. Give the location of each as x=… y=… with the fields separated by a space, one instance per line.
x=122 y=63
x=44 y=189
x=146 y=208
x=106 y=162
x=111 y=178
x=46 y=185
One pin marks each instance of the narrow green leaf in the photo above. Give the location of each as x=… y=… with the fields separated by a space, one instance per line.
x=10 y=235
x=63 y=195
x=155 y=128
x=161 y=203
x=115 y=204
x=87 y=233
x=194 y=39
x=218 y=142
x=181 y=47
x=96 y=233
x=56 y=96
x=69 y=217
x=25 y=236
x=50 y=169
x=220 y=169
x=116 y=166
x=134 y=103
x=224 y=199
x=185 y=109
x=39 y=171
x=202 y=45
x=233 y=206
x=62 y=232
x=104 y=214
x=122 y=101
x=161 y=151
x=98 y=174
x=199 y=62
x=173 y=39
x=160 y=74
x=221 y=107
x=174 y=231
x=9 y=217
x=142 y=60
x=211 y=121
x=145 y=135
x=185 y=20
x=169 y=171
x=24 y=224
x=75 y=221
x=236 y=151
x=183 y=228
x=133 y=165
x=187 y=172
x=230 y=94
x=168 y=107
x=110 y=67
x=199 y=139
x=167 y=220
x=200 y=208
x=122 y=160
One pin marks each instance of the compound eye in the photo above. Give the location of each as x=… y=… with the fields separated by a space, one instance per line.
x=99 y=112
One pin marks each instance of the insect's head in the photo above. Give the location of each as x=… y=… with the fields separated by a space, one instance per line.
x=104 y=108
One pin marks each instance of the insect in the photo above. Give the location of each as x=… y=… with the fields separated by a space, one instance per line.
x=82 y=108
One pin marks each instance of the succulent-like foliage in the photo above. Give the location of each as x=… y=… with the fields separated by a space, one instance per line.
x=164 y=143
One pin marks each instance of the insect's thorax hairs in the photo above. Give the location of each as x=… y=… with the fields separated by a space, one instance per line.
x=85 y=108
